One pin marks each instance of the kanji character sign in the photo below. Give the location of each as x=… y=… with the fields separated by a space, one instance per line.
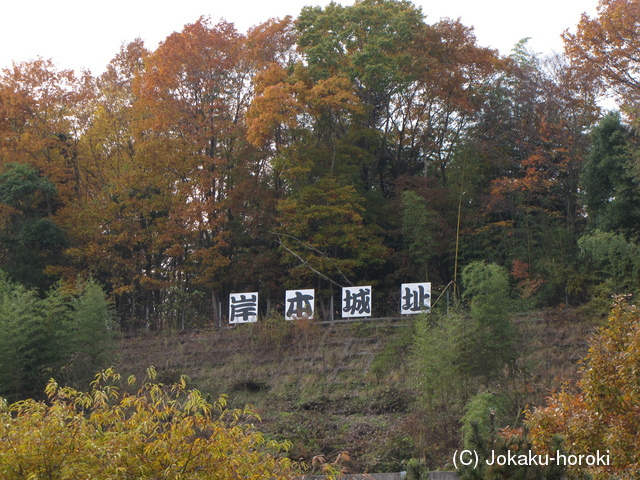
x=356 y=302
x=299 y=303
x=243 y=307
x=415 y=298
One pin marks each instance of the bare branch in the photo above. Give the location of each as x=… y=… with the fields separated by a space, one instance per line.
x=304 y=262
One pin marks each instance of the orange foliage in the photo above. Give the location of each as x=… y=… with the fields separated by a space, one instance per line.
x=604 y=48
x=604 y=414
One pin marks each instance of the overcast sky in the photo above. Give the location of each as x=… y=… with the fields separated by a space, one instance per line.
x=82 y=34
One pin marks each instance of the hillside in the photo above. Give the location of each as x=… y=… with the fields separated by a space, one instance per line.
x=343 y=386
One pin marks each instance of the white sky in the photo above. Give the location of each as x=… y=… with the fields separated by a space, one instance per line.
x=81 y=34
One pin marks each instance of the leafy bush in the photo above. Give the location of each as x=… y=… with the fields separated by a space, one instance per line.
x=67 y=333
x=416 y=469
x=612 y=261
x=158 y=432
x=462 y=348
x=602 y=414
x=482 y=413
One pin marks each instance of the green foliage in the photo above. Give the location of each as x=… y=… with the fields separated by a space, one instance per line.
x=487 y=289
x=484 y=413
x=437 y=359
x=416 y=470
x=25 y=339
x=324 y=233
x=490 y=444
x=611 y=262
x=30 y=239
x=179 y=307
x=418 y=228
x=367 y=41
x=456 y=355
x=488 y=343
x=395 y=353
x=87 y=331
x=611 y=191
x=67 y=333
x=487 y=428
x=23 y=189
x=157 y=432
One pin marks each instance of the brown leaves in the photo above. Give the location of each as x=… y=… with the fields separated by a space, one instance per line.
x=604 y=415
x=43 y=113
x=605 y=48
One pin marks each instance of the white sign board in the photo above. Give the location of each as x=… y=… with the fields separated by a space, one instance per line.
x=243 y=307
x=299 y=304
x=356 y=302
x=415 y=298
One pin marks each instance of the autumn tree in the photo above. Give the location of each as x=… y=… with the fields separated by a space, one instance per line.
x=44 y=112
x=193 y=100
x=306 y=147
x=114 y=431
x=601 y=413
x=604 y=48
x=418 y=84
x=379 y=94
x=108 y=146
x=532 y=136
x=176 y=192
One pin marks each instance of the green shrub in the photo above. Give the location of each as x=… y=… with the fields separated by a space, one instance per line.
x=68 y=334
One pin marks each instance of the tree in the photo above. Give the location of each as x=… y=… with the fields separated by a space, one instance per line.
x=462 y=352
x=532 y=139
x=488 y=343
x=419 y=85
x=30 y=240
x=602 y=414
x=377 y=94
x=605 y=48
x=408 y=90
x=324 y=235
x=107 y=145
x=609 y=181
x=476 y=346
x=159 y=432
x=66 y=333
x=44 y=112
x=611 y=264
x=178 y=196
x=419 y=228
x=482 y=433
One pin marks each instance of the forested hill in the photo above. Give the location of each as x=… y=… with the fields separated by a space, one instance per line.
x=352 y=145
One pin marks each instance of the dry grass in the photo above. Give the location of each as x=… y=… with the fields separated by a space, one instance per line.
x=340 y=387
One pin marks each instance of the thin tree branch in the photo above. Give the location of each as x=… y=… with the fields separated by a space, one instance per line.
x=304 y=262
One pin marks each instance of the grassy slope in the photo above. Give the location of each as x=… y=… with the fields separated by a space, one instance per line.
x=341 y=387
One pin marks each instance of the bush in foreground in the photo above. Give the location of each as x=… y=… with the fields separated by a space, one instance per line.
x=600 y=420
x=157 y=432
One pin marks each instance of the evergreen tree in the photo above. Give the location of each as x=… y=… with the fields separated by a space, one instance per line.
x=30 y=240
x=67 y=333
x=611 y=191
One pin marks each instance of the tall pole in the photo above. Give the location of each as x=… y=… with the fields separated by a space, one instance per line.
x=455 y=264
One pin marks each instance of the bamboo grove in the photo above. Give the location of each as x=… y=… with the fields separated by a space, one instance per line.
x=350 y=145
